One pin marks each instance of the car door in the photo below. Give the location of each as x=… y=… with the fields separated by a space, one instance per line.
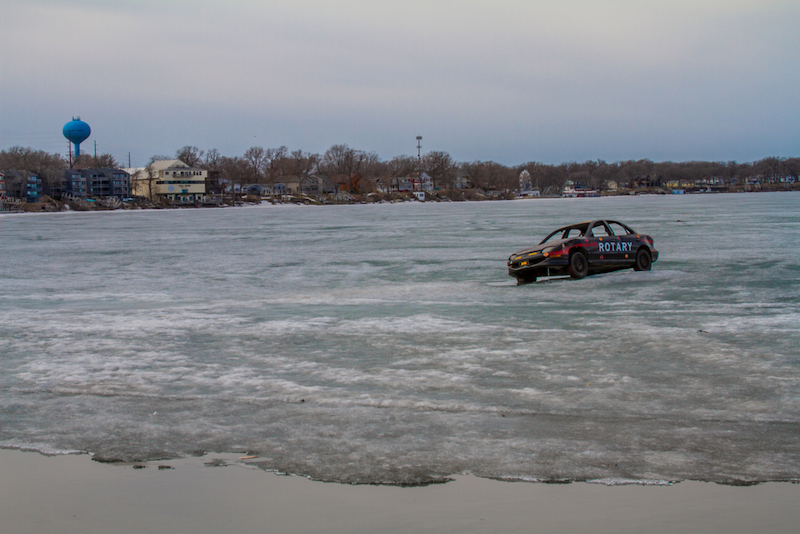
x=627 y=240
x=599 y=237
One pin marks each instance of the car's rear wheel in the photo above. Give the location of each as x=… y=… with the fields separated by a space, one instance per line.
x=578 y=265
x=643 y=261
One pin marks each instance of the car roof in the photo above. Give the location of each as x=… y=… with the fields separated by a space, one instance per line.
x=588 y=224
x=581 y=226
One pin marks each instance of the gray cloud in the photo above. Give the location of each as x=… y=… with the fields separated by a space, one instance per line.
x=510 y=81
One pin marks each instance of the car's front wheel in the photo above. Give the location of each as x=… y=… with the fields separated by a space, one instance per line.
x=643 y=261
x=578 y=265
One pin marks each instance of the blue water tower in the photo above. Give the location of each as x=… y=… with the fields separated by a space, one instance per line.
x=77 y=132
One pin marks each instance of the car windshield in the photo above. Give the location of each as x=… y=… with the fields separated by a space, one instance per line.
x=566 y=232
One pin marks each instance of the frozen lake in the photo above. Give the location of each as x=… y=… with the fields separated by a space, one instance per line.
x=387 y=344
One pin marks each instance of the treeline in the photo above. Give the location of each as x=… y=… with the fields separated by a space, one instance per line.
x=50 y=167
x=341 y=162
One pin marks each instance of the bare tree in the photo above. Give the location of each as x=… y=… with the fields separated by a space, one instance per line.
x=213 y=159
x=542 y=176
x=476 y=174
x=371 y=164
x=439 y=166
x=401 y=166
x=300 y=163
x=235 y=171
x=213 y=165
x=342 y=160
x=274 y=160
x=346 y=166
x=28 y=159
x=770 y=168
x=190 y=155
x=255 y=158
x=151 y=176
x=103 y=161
x=17 y=158
x=791 y=167
x=581 y=178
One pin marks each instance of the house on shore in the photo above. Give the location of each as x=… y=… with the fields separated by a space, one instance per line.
x=258 y=190
x=316 y=185
x=74 y=183
x=107 y=183
x=170 y=180
x=311 y=185
x=404 y=184
x=24 y=186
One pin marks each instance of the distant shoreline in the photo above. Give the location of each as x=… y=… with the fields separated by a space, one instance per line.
x=51 y=205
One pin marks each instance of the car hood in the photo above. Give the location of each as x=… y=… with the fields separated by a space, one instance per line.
x=538 y=248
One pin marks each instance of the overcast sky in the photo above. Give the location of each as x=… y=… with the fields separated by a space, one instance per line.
x=504 y=80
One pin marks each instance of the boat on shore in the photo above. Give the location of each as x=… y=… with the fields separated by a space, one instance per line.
x=574 y=190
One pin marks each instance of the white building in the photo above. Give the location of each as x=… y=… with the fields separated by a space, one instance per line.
x=170 y=179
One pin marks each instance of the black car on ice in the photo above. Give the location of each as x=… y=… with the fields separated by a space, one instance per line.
x=582 y=249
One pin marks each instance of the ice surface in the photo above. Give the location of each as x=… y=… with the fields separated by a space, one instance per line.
x=385 y=344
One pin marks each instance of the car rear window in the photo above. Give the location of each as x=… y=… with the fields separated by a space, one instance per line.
x=618 y=229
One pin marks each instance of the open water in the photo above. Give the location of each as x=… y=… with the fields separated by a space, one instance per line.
x=387 y=344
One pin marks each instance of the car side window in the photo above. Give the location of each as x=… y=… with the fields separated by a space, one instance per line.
x=618 y=229
x=599 y=230
x=572 y=232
